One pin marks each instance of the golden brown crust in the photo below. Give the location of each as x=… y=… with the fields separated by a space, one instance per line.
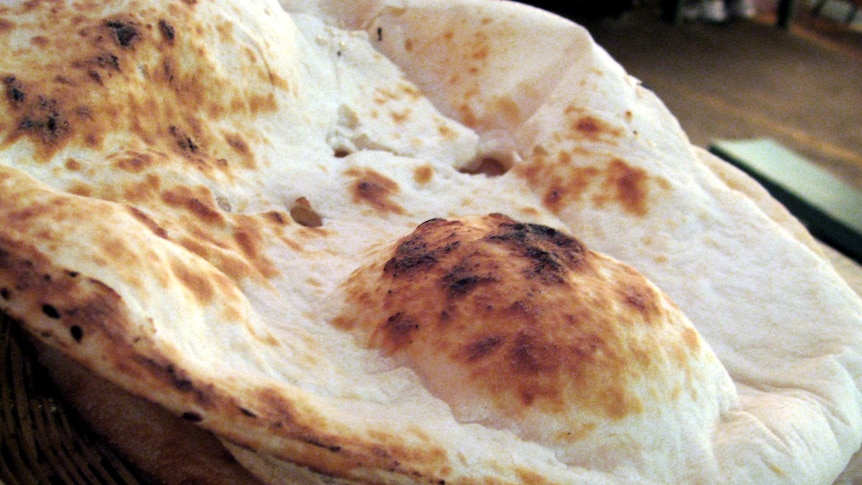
x=204 y=223
x=370 y=188
x=521 y=317
x=102 y=54
x=102 y=332
x=562 y=184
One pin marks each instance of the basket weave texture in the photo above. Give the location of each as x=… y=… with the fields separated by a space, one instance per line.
x=40 y=440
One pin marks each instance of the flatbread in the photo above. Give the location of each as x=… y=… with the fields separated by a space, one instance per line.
x=368 y=240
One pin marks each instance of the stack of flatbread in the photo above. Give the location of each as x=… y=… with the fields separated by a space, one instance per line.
x=404 y=241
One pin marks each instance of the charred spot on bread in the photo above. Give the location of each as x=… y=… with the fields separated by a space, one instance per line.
x=50 y=311
x=416 y=252
x=183 y=140
x=549 y=251
x=45 y=122
x=167 y=30
x=528 y=323
x=125 y=33
x=192 y=417
x=375 y=190
x=466 y=276
x=14 y=91
x=77 y=333
x=399 y=327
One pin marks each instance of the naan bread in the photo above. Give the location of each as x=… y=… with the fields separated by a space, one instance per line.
x=411 y=241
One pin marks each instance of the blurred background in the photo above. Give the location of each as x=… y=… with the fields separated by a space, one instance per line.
x=750 y=75
x=745 y=77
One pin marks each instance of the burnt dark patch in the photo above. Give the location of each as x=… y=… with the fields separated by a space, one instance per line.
x=45 y=122
x=461 y=285
x=449 y=247
x=550 y=252
x=445 y=316
x=50 y=311
x=325 y=446
x=411 y=256
x=545 y=265
x=178 y=379
x=184 y=142
x=6 y=294
x=526 y=356
x=107 y=60
x=551 y=235
x=465 y=277
x=167 y=30
x=399 y=328
x=98 y=67
x=483 y=347
x=125 y=34
x=77 y=333
x=636 y=300
x=192 y=417
x=14 y=91
x=168 y=70
x=166 y=372
x=519 y=232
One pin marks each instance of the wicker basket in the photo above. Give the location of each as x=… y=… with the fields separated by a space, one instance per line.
x=40 y=440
